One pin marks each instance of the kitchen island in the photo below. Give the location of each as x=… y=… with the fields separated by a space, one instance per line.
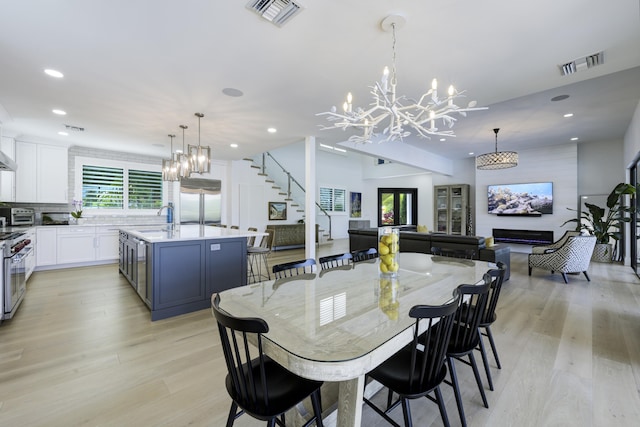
x=175 y=271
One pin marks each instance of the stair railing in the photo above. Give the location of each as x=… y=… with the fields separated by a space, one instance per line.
x=290 y=181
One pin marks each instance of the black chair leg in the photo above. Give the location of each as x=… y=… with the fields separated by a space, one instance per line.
x=317 y=407
x=389 y=399
x=232 y=414
x=529 y=270
x=493 y=346
x=485 y=360
x=443 y=409
x=456 y=390
x=406 y=412
x=564 y=276
x=476 y=373
x=587 y=276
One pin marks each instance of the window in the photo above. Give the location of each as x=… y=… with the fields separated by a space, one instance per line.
x=397 y=206
x=113 y=185
x=333 y=199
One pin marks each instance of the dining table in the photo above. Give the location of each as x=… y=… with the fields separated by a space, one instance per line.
x=337 y=325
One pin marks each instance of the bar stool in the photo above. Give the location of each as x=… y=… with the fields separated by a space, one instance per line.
x=257 y=257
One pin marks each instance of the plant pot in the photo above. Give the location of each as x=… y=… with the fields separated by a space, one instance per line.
x=602 y=252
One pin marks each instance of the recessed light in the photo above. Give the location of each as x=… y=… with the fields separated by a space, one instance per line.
x=272 y=130
x=59 y=112
x=471 y=153
x=443 y=139
x=54 y=73
x=229 y=91
x=63 y=133
x=233 y=145
x=568 y=115
x=575 y=138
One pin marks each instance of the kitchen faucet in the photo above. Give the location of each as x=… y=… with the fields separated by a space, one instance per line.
x=170 y=216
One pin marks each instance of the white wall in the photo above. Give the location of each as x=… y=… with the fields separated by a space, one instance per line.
x=600 y=167
x=555 y=164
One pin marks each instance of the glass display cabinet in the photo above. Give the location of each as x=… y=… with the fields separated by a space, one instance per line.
x=451 y=204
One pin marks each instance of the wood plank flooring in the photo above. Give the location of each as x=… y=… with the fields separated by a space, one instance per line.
x=82 y=351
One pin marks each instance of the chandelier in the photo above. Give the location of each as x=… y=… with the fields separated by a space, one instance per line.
x=498 y=159
x=396 y=113
x=200 y=156
x=184 y=163
x=170 y=166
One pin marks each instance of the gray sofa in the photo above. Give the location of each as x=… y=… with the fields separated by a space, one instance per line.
x=413 y=241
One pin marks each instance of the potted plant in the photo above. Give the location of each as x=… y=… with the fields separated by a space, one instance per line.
x=606 y=225
x=77 y=213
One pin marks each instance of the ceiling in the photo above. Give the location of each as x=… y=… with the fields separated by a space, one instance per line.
x=134 y=70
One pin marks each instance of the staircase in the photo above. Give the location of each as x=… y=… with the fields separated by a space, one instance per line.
x=291 y=191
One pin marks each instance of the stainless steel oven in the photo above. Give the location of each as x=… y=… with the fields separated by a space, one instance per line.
x=18 y=216
x=16 y=250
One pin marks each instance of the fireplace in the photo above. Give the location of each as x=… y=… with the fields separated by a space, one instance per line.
x=523 y=237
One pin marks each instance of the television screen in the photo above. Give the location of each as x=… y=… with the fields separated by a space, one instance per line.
x=534 y=198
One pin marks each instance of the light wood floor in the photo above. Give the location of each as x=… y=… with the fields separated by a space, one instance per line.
x=82 y=351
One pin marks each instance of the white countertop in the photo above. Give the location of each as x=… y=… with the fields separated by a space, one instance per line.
x=187 y=232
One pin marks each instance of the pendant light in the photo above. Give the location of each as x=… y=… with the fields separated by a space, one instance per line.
x=200 y=156
x=184 y=163
x=170 y=166
x=498 y=159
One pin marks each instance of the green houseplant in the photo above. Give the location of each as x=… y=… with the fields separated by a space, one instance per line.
x=606 y=224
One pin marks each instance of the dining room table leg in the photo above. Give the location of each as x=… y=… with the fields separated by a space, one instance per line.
x=350 y=394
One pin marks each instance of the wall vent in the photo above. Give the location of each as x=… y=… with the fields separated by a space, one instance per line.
x=582 y=63
x=278 y=12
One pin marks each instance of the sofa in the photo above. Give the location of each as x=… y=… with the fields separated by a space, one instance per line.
x=289 y=236
x=414 y=241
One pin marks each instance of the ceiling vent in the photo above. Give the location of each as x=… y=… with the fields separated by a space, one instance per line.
x=278 y=12
x=74 y=128
x=582 y=63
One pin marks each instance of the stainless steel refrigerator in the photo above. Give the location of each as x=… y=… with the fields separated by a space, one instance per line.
x=200 y=201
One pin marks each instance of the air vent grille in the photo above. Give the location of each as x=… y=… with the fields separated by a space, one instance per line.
x=278 y=12
x=582 y=63
x=74 y=128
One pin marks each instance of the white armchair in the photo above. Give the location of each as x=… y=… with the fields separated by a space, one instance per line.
x=573 y=256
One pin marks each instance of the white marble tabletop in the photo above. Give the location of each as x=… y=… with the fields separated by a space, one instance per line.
x=165 y=233
x=339 y=325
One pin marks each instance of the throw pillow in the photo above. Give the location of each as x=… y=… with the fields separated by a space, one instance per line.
x=422 y=229
x=488 y=241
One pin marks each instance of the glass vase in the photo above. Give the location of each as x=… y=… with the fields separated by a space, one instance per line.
x=388 y=250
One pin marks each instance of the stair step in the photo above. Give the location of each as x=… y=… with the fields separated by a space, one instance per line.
x=282 y=194
x=299 y=210
x=255 y=166
x=276 y=187
x=262 y=174
x=270 y=181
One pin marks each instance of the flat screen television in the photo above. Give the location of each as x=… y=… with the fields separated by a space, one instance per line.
x=529 y=199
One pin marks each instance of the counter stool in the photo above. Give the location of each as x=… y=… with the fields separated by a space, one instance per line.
x=257 y=258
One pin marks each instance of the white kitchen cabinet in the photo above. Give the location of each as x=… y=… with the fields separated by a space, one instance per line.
x=7 y=178
x=42 y=174
x=46 y=246
x=107 y=241
x=30 y=259
x=75 y=244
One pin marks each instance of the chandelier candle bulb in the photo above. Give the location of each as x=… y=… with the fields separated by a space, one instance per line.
x=451 y=92
x=434 y=89
x=385 y=78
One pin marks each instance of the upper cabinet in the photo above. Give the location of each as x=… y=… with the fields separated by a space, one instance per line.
x=43 y=173
x=7 y=178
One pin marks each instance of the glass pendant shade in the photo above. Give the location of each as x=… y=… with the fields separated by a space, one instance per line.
x=184 y=164
x=170 y=166
x=199 y=156
x=497 y=159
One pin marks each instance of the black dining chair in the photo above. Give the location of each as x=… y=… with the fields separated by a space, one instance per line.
x=364 y=255
x=420 y=367
x=333 y=261
x=293 y=268
x=489 y=316
x=465 y=336
x=256 y=384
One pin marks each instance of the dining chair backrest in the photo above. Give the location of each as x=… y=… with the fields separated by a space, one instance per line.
x=429 y=349
x=251 y=240
x=240 y=353
x=497 y=277
x=473 y=301
x=294 y=268
x=333 y=261
x=364 y=255
x=234 y=227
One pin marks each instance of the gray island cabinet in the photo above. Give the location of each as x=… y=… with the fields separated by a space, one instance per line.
x=176 y=272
